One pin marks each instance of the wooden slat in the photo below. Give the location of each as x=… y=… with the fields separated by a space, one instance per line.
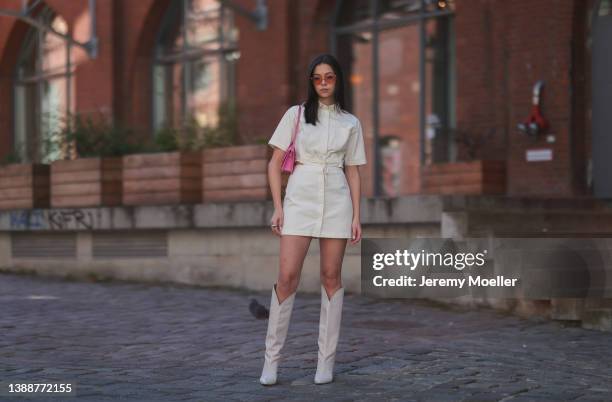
x=475 y=177
x=175 y=184
x=91 y=200
x=160 y=198
x=25 y=203
x=76 y=200
x=25 y=174
x=85 y=176
x=455 y=189
x=16 y=181
x=75 y=189
x=458 y=167
x=24 y=181
x=235 y=181
x=466 y=188
x=16 y=169
x=236 y=194
x=75 y=165
x=159 y=172
x=16 y=193
x=461 y=178
x=163 y=178
x=87 y=164
x=162 y=159
x=234 y=167
x=226 y=154
x=86 y=182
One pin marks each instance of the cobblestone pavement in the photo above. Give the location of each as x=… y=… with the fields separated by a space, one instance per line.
x=173 y=343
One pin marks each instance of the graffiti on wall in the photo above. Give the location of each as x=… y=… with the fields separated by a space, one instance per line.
x=51 y=219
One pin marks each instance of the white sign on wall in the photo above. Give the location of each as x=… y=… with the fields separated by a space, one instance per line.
x=539 y=155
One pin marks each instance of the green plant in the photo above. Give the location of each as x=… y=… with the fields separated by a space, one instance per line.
x=183 y=138
x=225 y=133
x=14 y=156
x=11 y=157
x=260 y=140
x=97 y=137
x=191 y=136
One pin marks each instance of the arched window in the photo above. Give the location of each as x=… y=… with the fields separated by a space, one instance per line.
x=43 y=86
x=398 y=56
x=194 y=65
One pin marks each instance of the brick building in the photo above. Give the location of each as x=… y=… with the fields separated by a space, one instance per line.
x=424 y=77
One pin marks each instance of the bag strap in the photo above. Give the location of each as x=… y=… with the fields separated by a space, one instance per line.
x=297 y=124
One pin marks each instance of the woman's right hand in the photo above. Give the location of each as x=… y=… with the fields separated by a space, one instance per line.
x=277 y=221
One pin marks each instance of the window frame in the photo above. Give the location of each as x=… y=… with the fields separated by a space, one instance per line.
x=34 y=37
x=186 y=56
x=374 y=27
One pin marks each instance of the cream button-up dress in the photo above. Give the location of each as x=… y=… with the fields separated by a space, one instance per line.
x=317 y=199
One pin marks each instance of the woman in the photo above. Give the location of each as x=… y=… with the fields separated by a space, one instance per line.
x=322 y=201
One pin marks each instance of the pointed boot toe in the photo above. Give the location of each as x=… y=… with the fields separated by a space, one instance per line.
x=329 y=332
x=278 y=325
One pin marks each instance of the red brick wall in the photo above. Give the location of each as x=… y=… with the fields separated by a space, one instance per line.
x=503 y=48
x=264 y=84
x=137 y=25
x=11 y=35
x=93 y=90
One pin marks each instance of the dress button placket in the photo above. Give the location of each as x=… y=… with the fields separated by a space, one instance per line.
x=324 y=171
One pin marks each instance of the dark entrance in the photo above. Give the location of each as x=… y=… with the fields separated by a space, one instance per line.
x=602 y=99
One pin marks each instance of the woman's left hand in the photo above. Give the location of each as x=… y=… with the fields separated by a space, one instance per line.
x=356 y=231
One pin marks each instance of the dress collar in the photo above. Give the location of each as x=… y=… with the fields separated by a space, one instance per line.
x=330 y=108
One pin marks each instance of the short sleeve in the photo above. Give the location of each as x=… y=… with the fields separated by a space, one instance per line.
x=355 y=151
x=281 y=137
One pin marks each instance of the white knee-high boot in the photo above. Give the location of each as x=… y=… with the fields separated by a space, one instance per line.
x=278 y=324
x=329 y=332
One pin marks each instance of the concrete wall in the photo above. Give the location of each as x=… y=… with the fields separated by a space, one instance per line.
x=230 y=244
x=213 y=244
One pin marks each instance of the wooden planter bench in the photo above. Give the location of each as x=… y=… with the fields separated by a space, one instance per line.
x=162 y=178
x=86 y=182
x=474 y=177
x=237 y=173
x=24 y=185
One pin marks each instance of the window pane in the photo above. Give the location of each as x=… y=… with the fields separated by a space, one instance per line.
x=352 y=12
x=203 y=23
x=28 y=56
x=159 y=95
x=439 y=108
x=399 y=109
x=42 y=101
x=26 y=120
x=204 y=93
x=200 y=75
x=54 y=47
x=605 y=8
x=53 y=102
x=355 y=57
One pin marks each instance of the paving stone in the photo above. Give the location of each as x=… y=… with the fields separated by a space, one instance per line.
x=147 y=342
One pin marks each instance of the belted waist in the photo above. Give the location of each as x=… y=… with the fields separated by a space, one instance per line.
x=320 y=164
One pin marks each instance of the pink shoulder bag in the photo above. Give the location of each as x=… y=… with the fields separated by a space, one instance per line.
x=289 y=157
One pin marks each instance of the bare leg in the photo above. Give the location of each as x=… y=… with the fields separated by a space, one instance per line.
x=332 y=254
x=293 y=251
